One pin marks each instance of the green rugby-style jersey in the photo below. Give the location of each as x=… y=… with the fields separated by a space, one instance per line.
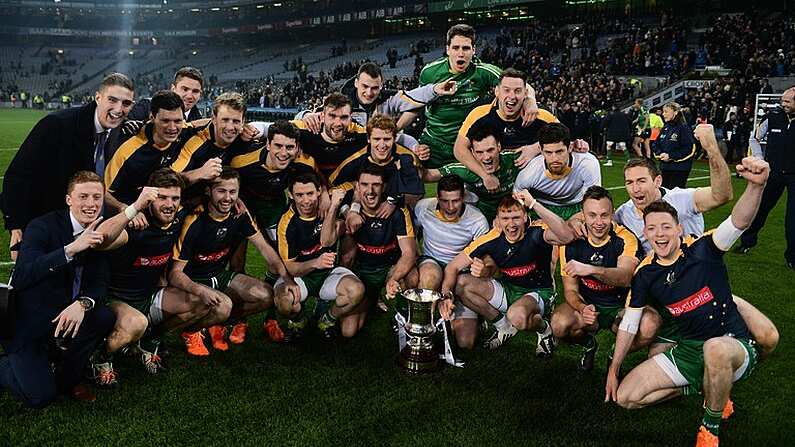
x=446 y=114
x=488 y=201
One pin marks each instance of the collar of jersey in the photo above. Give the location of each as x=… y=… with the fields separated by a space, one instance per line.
x=502 y=117
x=441 y=217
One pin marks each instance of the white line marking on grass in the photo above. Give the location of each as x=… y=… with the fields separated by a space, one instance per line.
x=7 y=263
x=691 y=179
x=8 y=149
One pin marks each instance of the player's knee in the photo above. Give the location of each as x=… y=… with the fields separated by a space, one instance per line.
x=518 y=318
x=768 y=339
x=627 y=398
x=463 y=284
x=223 y=309
x=561 y=326
x=465 y=340
x=430 y=276
x=717 y=352
x=354 y=290
x=134 y=324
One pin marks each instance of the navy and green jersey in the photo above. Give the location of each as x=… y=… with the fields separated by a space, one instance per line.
x=620 y=242
x=206 y=244
x=524 y=263
x=261 y=187
x=377 y=239
x=401 y=172
x=692 y=294
x=476 y=84
x=201 y=147
x=136 y=159
x=329 y=155
x=512 y=134
x=298 y=238
x=137 y=266
x=488 y=201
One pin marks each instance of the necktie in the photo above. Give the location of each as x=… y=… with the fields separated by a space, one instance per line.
x=99 y=154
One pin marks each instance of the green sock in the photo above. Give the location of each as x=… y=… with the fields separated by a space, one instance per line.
x=711 y=420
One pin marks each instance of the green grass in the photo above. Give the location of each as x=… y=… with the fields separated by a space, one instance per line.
x=351 y=393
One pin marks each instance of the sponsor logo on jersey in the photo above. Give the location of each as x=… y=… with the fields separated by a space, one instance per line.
x=212 y=257
x=377 y=250
x=220 y=233
x=311 y=250
x=596 y=285
x=692 y=302
x=152 y=261
x=520 y=270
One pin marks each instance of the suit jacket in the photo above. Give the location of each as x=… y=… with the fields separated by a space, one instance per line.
x=59 y=145
x=43 y=278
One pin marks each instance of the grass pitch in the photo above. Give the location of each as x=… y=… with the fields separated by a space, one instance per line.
x=351 y=393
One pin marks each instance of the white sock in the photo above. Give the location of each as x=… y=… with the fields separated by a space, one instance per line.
x=503 y=324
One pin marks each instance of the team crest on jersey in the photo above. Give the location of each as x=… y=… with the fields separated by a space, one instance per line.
x=221 y=233
x=376 y=225
x=674 y=137
x=317 y=229
x=508 y=131
x=670 y=278
x=597 y=259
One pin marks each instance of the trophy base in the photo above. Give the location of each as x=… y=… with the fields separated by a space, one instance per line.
x=418 y=362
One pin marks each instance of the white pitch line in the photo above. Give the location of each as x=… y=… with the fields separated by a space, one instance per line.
x=7 y=263
x=613 y=188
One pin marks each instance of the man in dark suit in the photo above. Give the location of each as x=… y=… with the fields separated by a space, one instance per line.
x=62 y=143
x=188 y=84
x=60 y=285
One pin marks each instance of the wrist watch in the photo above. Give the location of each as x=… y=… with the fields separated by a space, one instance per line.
x=86 y=302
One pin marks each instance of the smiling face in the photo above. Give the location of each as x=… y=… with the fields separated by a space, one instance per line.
x=223 y=195
x=450 y=204
x=282 y=150
x=641 y=187
x=336 y=121
x=113 y=104
x=307 y=198
x=167 y=126
x=556 y=156
x=487 y=152
x=788 y=101
x=190 y=90
x=459 y=53
x=598 y=215
x=663 y=233
x=227 y=124
x=512 y=221
x=85 y=201
x=370 y=188
x=510 y=93
x=164 y=207
x=367 y=88
x=381 y=142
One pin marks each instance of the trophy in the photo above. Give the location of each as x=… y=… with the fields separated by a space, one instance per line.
x=419 y=355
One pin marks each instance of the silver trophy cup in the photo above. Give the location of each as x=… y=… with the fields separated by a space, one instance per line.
x=419 y=356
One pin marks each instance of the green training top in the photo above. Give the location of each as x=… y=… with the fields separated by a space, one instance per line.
x=446 y=114
x=488 y=202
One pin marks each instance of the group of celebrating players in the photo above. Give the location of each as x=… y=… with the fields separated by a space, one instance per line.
x=333 y=201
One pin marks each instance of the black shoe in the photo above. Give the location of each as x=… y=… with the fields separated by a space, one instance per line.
x=742 y=249
x=588 y=356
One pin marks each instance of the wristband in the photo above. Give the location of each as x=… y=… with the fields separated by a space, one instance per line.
x=356 y=207
x=130 y=212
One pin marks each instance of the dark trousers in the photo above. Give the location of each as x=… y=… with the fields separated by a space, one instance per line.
x=773 y=190
x=673 y=179
x=25 y=367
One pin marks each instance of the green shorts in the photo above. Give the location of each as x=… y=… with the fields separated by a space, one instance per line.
x=505 y=294
x=684 y=363
x=607 y=315
x=441 y=151
x=374 y=280
x=563 y=211
x=151 y=306
x=219 y=282
x=267 y=215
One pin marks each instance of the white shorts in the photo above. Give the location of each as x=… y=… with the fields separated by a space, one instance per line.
x=155 y=314
x=499 y=300
x=328 y=291
x=620 y=145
